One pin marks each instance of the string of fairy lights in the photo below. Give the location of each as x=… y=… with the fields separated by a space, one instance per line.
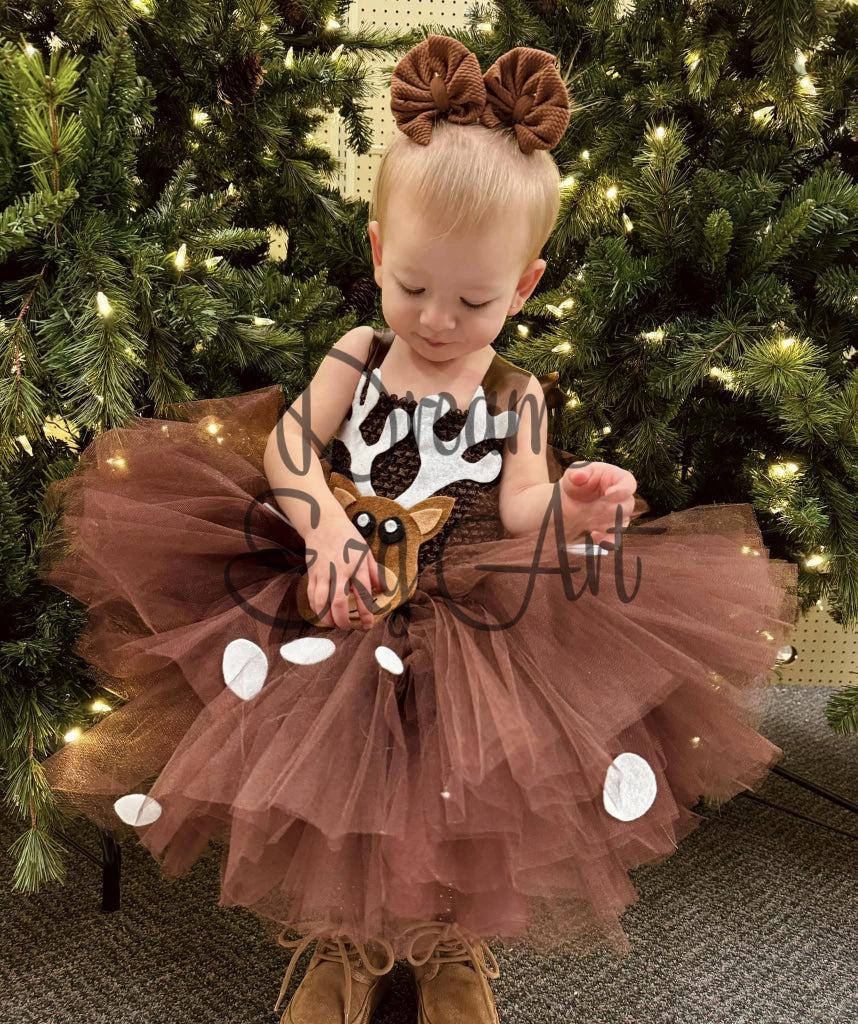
x=780 y=471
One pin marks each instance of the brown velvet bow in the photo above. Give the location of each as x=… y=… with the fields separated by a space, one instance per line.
x=522 y=90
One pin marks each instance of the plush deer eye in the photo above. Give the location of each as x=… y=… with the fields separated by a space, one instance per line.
x=391 y=530
x=365 y=523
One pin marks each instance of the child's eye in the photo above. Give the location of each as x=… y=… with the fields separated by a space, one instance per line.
x=470 y=305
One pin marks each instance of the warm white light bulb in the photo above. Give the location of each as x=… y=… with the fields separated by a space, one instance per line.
x=104 y=307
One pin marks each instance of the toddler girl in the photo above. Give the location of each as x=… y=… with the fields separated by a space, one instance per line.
x=430 y=691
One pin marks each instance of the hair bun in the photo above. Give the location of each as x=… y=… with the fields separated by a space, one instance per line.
x=438 y=76
x=522 y=90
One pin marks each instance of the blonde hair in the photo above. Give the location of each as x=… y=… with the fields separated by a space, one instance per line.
x=468 y=176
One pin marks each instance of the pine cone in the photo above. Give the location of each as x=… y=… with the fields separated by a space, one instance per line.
x=359 y=295
x=547 y=8
x=239 y=80
x=294 y=14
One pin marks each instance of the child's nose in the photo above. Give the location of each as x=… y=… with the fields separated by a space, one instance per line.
x=435 y=319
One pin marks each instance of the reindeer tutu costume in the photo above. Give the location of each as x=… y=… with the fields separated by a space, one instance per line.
x=526 y=720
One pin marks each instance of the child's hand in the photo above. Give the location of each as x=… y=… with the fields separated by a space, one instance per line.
x=338 y=558
x=589 y=497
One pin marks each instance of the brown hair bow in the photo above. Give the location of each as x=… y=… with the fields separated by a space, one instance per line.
x=441 y=76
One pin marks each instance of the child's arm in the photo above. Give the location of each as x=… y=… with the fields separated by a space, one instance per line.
x=525 y=489
x=589 y=495
x=291 y=459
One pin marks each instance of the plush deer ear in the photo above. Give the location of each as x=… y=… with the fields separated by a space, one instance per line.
x=431 y=514
x=343 y=489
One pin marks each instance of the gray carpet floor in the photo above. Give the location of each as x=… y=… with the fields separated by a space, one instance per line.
x=753 y=920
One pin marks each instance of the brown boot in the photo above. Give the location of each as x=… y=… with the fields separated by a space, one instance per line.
x=450 y=980
x=341 y=983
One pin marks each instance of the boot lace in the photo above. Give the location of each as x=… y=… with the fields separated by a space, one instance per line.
x=452 y=945
x=338 y=948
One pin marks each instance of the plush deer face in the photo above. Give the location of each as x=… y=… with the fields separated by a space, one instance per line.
x=393 y=534
x=394 y=529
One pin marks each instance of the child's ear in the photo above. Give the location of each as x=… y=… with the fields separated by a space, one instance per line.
x=375 y=242
x=527 y=282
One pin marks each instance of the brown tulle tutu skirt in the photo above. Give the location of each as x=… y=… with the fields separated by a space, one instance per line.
x=500 y=751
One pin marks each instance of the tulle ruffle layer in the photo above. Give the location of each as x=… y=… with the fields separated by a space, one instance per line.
x=531 y=725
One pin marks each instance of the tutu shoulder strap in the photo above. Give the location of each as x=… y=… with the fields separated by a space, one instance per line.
x=504 y=385
x=382 y=338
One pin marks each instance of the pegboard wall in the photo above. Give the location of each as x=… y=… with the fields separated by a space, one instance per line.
x=827 y=654
x=358 y=171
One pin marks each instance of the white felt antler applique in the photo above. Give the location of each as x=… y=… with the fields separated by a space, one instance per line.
x=442 y=462
x=396 y=426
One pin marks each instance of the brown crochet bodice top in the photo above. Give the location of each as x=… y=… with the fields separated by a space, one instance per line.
x=475 y=516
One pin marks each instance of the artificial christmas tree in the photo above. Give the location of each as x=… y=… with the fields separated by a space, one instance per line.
x=134 y=276
x=700 y=303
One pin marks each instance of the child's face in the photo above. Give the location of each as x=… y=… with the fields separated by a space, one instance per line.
x=482 y=269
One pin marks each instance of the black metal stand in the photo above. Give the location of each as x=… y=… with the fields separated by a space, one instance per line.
x=110 y=863
x=814 y=787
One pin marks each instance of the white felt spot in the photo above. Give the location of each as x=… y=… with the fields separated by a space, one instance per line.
x=137 y=809
x=307 y=650
x=583 y=549
x=277 y=512
x=389 y=660
x=245 y=667
x=629 y=788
